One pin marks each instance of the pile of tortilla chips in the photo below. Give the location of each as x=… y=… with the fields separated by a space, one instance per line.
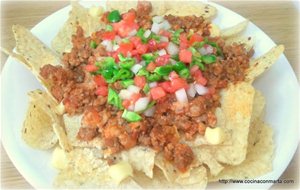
x=246 y=151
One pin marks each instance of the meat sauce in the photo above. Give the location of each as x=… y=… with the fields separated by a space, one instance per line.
x=171 y=122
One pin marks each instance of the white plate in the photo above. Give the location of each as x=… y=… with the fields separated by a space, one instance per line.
x=279 y=85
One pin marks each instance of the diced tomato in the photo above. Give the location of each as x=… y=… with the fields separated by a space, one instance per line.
x=151 y=67
x=199 y=78
x=91 y=68
x=126 y=103
x=124 y=48
x=211 y=90
x=162 y=45
x=140 y=81
x=157 y=92
x=134 y=97
x=100 y=81
x=102 y=91
x=166 y=86
x=142 y=48
x=165 y=33
x=152 y=45
x=123 y=28
x=162 y=60
x=195 y=38
x=185 y=56
x=109 y=35
x=129 y=17
x=194 y=69
x=184 y=44
x=179 y=83
x=173 y=75
x=136 y=41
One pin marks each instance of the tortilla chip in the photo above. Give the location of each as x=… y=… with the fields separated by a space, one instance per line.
x=196 y=180
x=261 y=64
x=141 y=159
x=258 y=108
x=37 y=129
x=234 y=30
x=248 y=42
x=187 y=8
x=46 y=103
x=259 y=156
x=78 y=16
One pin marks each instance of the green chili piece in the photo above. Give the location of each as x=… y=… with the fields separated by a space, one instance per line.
x=127 y=82
x=124 y=74
x=109 y=63
x=155 y=37
x=153 y=77
x=143 y=72
x=175 y=36
x=163 y=70
x=114 y=99
x=199 y=44
x=214 y=44
x=198 y=61
x=114 y=16
x=178 y=66
x=146 y=88
x=109 y=28
x=208 y=59
x=184 y=73
x=93 y=44
x=131 y=116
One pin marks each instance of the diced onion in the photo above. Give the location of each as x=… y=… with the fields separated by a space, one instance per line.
x=172 y=49
x=155 y=28
x=115 y=47
x=191 y=91
x=125 y=94
x=118 y=39
x=181 y=96
x=147 y=33
x=152 y=84
x=108 y=45
x=158 y=19
x=135 y=68
x=141 y=104
x=132 y=33
x=133 y=89
x=206 y=49
x=150 y=112
x=201 y=90
x=164 y=39
x=162 y=52
x=165 y=25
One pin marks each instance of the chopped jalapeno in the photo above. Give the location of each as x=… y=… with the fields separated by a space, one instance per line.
x=175 y=36
x=146 y=88
x=179 y=66
x=208 y=59
x=93 y=44
x=163 y=70
x=114 y=99
x=184 y=73
x=114 y=16
x=127 y=82
x=153 y=77
x=109 y=28
x=131 y=116
x=124 y=74
x=126 y=62
x=143 y=72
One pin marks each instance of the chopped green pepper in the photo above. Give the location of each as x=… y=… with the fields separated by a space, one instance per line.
x=163 y=70
x=179 y=66
x=153 y=77
x=143 y=72
x=214 y=44
x=93 y=44
x=198 y=61
x=114 y=99
x=124 y=74
x=109 y=28
x=126 y=62
x=208 y=59
x=175 y=36
x=146 y=88
x=127 y=82
x=131 y=116
x=184 y=73
x=114 y=16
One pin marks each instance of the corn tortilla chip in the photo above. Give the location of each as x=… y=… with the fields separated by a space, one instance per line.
x=248 y=42
x=234 y=30
x=78 y=16
x=37 y=129
x=47 y=104
x=261 y=64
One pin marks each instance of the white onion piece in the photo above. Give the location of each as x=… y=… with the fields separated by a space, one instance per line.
x=155 y=28
x=181 y=96
x=115 y=47
x=150 y=112
x=201 y=90
x=162 y=52
x=133 y=89
x=172 y=49
x=143 y=63
x=165 y=25
x=164 y=39
x=158 y=19
x=132 y=33
x=104 y=42
x=118 y=39
x=125 y=94
x=131 y=107
x=206 y=49
x=147 y=33
x=152 y=84
x=141 y=104
x=135 y=68
x=191 y=91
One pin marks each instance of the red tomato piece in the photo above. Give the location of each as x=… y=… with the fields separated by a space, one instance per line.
x=129 y=17
x=165 y=33
x=166 y=86
x=173 y=75
x=151 y=67
x=123 y=28
x=124 y=48
x=157 y=92
x=91 y=68
x=142 y=48
x=136 y=41
x=152 y=45
x=195 y=38
x=102 y=91
x=126 y=103
x=162 y=60
x=185 y=56
x=100 y=81
x=179 y=83
x=194 y=69
x=110 y=35
x=162 y=45
x=134 y=97
x=183 y=41
x=140 y=81
x=199 y=78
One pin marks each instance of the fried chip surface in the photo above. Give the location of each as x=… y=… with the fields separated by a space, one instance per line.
x=235 y=30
